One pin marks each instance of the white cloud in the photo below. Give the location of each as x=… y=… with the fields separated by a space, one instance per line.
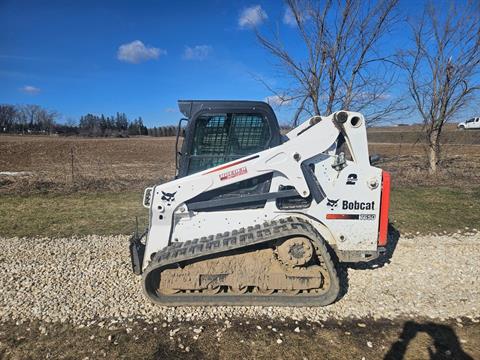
x=252 y=16
x=289 y=18
x=29 y=89
x=197 y=52
x=136 y=52
x=170 y=110
x=277 y=100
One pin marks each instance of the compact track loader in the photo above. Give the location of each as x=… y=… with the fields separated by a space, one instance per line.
x=260 y=218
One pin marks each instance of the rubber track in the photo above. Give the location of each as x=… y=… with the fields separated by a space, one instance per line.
x=224 y=244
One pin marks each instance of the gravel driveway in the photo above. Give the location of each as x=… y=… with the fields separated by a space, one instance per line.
x=87 y=279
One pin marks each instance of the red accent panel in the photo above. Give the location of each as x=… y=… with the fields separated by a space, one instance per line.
x=230 y=165
x=384 y=207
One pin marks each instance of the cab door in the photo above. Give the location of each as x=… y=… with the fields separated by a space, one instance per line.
x=218 y=138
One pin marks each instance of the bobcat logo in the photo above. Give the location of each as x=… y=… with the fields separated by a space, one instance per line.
x=168 y=197
x=332 y=203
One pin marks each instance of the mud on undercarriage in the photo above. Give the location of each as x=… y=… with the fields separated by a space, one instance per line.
x=290 y=267
x=284 y=262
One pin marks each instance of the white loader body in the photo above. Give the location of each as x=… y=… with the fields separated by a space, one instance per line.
x=345 y=208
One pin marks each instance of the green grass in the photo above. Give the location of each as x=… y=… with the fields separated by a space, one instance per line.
x=71 y=214
x=422 y=209
x=434 y=210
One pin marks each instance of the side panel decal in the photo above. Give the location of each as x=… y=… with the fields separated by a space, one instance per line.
x=230 y=165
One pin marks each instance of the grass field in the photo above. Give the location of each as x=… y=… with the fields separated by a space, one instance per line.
x=71 y=214
x=413 y=209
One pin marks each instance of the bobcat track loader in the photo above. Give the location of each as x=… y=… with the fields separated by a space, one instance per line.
x=254 y=217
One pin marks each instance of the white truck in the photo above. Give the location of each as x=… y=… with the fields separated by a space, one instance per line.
x=470 y=124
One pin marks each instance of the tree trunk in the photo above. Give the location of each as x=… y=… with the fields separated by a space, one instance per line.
x=433 y=151
x=316 y=109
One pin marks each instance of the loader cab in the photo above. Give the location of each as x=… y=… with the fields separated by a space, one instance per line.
x=222 y=131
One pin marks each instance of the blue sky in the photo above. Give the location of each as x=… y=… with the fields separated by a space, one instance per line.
x=64 y=55
x=136 y=57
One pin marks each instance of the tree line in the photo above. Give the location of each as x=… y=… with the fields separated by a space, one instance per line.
x=26 y=119
x=34 y=119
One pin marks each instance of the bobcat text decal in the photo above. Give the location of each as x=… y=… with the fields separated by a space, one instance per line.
x=358 y=205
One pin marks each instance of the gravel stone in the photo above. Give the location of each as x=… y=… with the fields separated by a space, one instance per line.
x=88 y=281
x=173 y=332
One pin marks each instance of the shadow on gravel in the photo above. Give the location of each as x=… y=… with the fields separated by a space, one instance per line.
x=445 y=342
x=393 y=237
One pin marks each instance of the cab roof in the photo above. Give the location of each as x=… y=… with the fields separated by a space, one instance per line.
x=190 y=107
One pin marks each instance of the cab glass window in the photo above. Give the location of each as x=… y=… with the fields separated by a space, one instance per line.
x=220 y=138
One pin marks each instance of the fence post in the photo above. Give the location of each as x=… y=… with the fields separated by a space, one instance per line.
x=71 y=160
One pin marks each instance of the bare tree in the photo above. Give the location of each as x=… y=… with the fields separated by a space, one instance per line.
x=7 y=117
x=28 y=116
x=35 y=118
x=342 y=66
x=442 y=67
x=46 y=120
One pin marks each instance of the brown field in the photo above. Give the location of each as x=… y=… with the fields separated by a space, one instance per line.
x=59 y=164
x=413 y=134
x=460 y=165
x=55 y=164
